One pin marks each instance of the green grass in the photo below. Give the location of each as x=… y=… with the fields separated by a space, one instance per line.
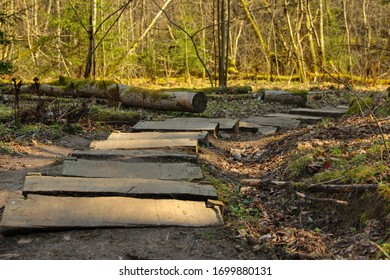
x=6 y=113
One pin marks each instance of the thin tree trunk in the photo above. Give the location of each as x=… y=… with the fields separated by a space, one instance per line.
x=263 y=45
x=313 y=51
x=321 y=35
x=347 y=33
x=297 y=53
x=367 y=39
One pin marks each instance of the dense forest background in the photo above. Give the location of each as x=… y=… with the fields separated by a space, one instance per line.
x=214 y=39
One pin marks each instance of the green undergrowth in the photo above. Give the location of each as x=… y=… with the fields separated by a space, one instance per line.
x=6 y=113
x=341 y=163
x=238 y=207
x=110 y=115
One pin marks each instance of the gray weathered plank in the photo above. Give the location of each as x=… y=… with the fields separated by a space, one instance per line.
x=225 y=124
x=177 y=125
x=282 y=123
x=202 y=137
x=136 y=155
x=47 y=212
x=143 y=144
x=322 y=112
x=79 y=186
x=264 y=130
x=118 y=169
x=304 y=119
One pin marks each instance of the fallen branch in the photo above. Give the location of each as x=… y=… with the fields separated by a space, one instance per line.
x=342 y=188
x=305 y=196
x=320 y=187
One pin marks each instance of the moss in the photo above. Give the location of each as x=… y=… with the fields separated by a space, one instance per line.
x=302 y=93
x=297 y=167
x=110 y=115
x=103 y=85
x=356 y=106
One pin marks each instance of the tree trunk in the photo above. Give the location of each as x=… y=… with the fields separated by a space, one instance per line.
x=127 y=95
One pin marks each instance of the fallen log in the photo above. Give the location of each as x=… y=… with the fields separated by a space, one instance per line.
x=322 y=187
x=284 y=97
x=168 y=100
x=342 y=188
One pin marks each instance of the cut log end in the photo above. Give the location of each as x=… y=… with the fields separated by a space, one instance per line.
x=199 y=102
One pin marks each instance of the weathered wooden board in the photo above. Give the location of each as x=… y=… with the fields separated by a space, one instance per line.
x=225 y=124
x=151 y=188
x=182 y=124
x=118 y=169
x=257 y=128
x=304 y=119
x=322 y=112
x=202 y=137
x=143 y=144
x=282 y=123
x=136 y=155
x=47 y=212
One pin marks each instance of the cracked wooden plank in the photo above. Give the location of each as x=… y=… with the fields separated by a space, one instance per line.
x=48 y=212
x=141 y=188
x=136 y=155
x=202 y=137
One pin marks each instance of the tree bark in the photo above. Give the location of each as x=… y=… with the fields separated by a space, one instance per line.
x=127 y=95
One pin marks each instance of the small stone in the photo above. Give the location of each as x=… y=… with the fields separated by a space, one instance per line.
x=22 y=241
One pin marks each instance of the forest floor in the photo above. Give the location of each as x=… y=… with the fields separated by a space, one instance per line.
x=260 y=223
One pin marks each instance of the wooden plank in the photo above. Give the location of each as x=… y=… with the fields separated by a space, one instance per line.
x=322 y=112
x=47 y=212
x=304 y=119
x=177 y=125
x=151 y=188
x=143 y=144
x=202 y=137
x=282 y=123
x=257 y=128
x=136 y=155
x=118 y=169
x=225 y=124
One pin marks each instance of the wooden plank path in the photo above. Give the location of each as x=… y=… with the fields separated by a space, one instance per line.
x=118 y=169
x=149 y=188
x=128 y=180
x=202 y=137
x=48 y=212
